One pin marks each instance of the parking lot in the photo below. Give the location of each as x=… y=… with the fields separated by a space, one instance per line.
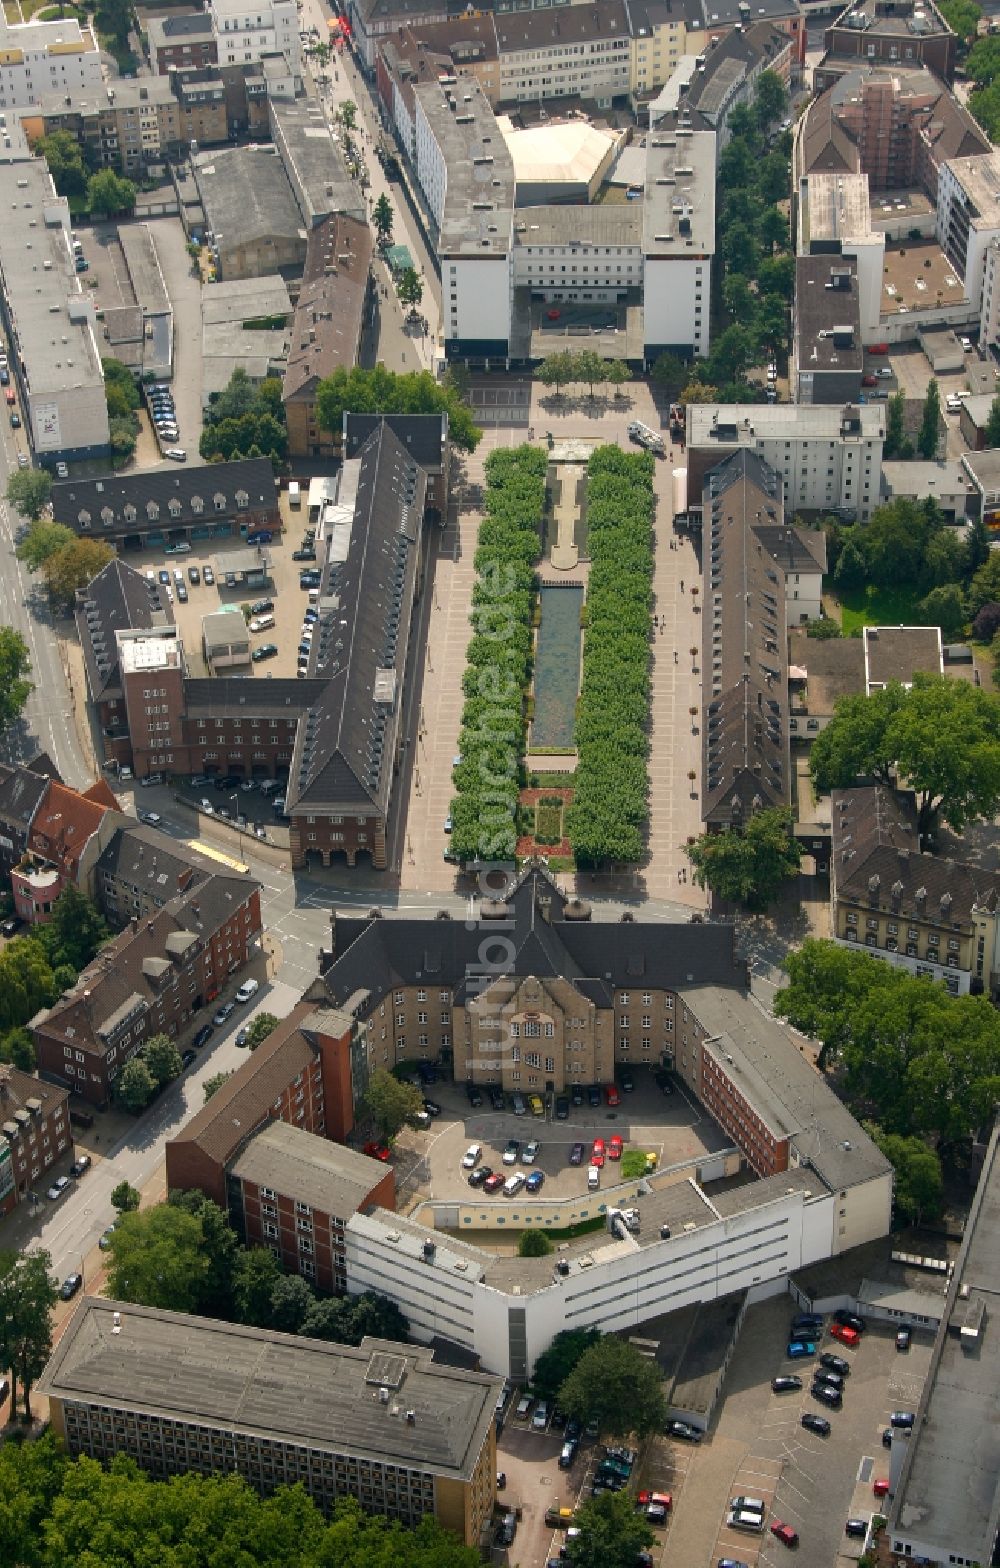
x=674 y=1128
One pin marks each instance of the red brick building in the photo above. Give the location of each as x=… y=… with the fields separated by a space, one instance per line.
x=34 y=1133
x=152 y=979
x=294 y=1192
x=67 y=834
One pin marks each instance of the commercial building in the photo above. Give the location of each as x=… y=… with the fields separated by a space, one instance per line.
x=307 y=1073
x=467 y=178
x=252 y=220
x=244 y=33
x=134 y=124
x=828 y=459
x=164 y=506
x=759 y=576
x=827 y=357
x=46 y=57
x=153 y=978
x=245 y=325
x=313 y=163
x=944 y=1502
x=571 y=997
x=678 y=241
x=177 y=43
x=49 y=322
x=294 y=1192
x=344 y=766
x=382 y=1423
x=574 y=51
x=926 y=913
x=35 y=1132
x=968 y=222
x=897 y=33
x=562 y=161
x=333 y=305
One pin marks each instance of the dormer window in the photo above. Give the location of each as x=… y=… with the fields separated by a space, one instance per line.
x=83 y=518
x=130 y=513
x=197 y=504
x=219 y=501
x=242 y=500
x=107 y=516
x=175 y=507
x=152 y=511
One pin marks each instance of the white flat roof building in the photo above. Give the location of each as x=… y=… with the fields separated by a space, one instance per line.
x=678 y=241
x=244 y=33
x=38 y=58
x=54 y=354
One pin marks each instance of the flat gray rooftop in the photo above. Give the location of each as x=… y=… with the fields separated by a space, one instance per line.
x=246 y=195
x=947 y=1498
x=143 y=265
x=679 y=204
x=601 y=225
x=328 y=1176
x=277 y=1387
x=479 y=200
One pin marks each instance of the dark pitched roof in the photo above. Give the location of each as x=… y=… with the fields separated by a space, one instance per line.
x=545 y=940
x=231 y=695
x=329 y=315
x=344 y=751
x=744 y=654
x=877 y=862
x=160 y=866
x=825 y=147
x=21 y=792
x=425 y=436
x=117 y=598
x=793 y=549
x=728 y=62
x=252 y=477
x=562 y=27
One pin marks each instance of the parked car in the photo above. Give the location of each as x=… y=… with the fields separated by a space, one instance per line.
x=535 y=1102
x=786 y=1385
x=568 y=1454
x=857 y=1528
x=835 y=1363
x=208 y=575
x=150 y=819
x=576 y=1154
x=183 y=548
x=203 y=1036
x=849 y=1320
x=529 y=1153
x=248 y=990
x=496 y=1097
x=57 y=1189
x=511 y=1151
x=493 y=1183
x=611 y=1094
x=597 y=1153
x=847 y=1336
x=784 y=1533
x=540 y=1419
x=472 y=1156
x=518 y=1104
x=303 y=555
x=377 y=1151
x=194 y=576
x=626 y=1080
x=903 y=1337
x=813 y=1423
x=69 y=1287
x=615 y=1146
x=827 y=1396
x=480 y=1176
x=799 y=1348
x=535 y=1182
x=188 y=1057
x=104 y=1240
x=831 y=1379
x=594 y=1095
x=902 y=1419
x=684 y=1430
x=223 y=1013
x=80 y=1165
x=267 y=650
x=513 y=1185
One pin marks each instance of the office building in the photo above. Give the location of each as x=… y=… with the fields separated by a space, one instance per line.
x=39 y=57
x=171 y=505
x=383 y=1423
x=968 y=224
x=896 y=33
x=678 y=241
x=244 y=34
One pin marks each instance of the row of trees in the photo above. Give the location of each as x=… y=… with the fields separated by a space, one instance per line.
x=58 y=1510
x=586 y=368
x=67 y=562
x=908 y=546
x=147 y=1072
x=499 y=655
x=246 y=420
x=983 y=67
x=122 y=397
x=916 y=1060
x=898 y=443
x=382 y=391
x=15 y=667
x=183 y=1255
x=607 y=818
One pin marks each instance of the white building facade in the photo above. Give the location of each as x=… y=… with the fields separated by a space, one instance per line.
x=244 y=34
x=39 y=58
x=678 y=242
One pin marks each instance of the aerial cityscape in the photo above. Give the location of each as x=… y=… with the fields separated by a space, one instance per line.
x=499 y=783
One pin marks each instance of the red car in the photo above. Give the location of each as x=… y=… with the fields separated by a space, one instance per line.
x=611 y=1094
x=597 y=1152
x=847 y=1336
x=614 y=1147
x=664 y=1499
x=869 y=381
x=880 y=1488
x=378 y=1151
x=493 y=1183
x=879 y=348
x=786 y=1535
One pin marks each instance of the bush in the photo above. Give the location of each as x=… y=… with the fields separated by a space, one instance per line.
x=987 y=623
x=533 y=1244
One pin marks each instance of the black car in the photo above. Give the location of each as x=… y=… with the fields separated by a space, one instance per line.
x=194 y=576
x=261 y=606
x=80 y=1166
x=9 y=926
x=70 y=1285
x=683 y=1429
x=785 y=1385
x=479 y=1175
x=831 y=1379
x=807 y=1320
x=576 y=1154
x=266 y=650
x=229 y=781
x=577 y=1095
x=243 y=1037
x=818 y=1424
x=303 y=555
x=887 y=1437
x=574 y=1428
x=594 y=1095
x=858 y=1527
x=432 y=1108
x=850 y=1320
x=202 y=1037
x=663 y=1083
x=496 y=1097
x=559 y=1419
x=902 y=1419
x=627 y=1081
x=188 y=1056
x=827 y=1396
x=562 y=1108
x=182 y=593
x=903 y=1337
x=835 y=1363
x=475 y=1094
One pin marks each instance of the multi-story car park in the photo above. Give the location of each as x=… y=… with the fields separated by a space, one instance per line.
x=383 y=1422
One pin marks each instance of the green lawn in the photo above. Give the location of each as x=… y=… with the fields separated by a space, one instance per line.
x=878 y=607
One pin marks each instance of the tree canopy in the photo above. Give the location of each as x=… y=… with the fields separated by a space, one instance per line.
x=612 y=1533
x=941 y=737
x=109 y=194
x=749 y=864
x=73 y=567
x=555 y=1364
x=62 y=153
x=27 y=1296
x=28 y=491
x=616 y=1386
x=246 y=420
x=258 y=1029
x=391 y=1104
x=15 y=667
x=915 y=1059
x=43 y=539
x=918 y=1182
x=381 y=391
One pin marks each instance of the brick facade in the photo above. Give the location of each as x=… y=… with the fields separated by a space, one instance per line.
x=34 y=1133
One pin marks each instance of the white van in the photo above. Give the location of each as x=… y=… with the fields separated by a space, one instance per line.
x=262 y=623
x=267 y=786
x=593 y=1178
x=294 y=494
x=753 y=1524
x=314 y=596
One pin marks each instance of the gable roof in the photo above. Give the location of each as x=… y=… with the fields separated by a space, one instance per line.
x=116 y=599
x=329 y=315
x=344 y=750
x=21 y=792
x=63 y=825
x=425 y=436
x=252 y=477
x=158 y=866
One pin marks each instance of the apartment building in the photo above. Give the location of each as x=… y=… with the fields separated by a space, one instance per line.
x=23 y=787
x=755 y=567
x=153 y=978
x=118 y=599
x=294 y=1192
x=35 y=1132
x=827 y=354
x=828 y=459
x=663 y=32
x=133 y=124
x=164 y=506
x=576 y=51
x=467 y=178
x=37 y=58
x=926 y=913
x=678 y=241
x=382 y=1423
x=708 y=86
x=141 y=869
x=244 y=34
x=968 y=223
x=68 y=832
x=50 y=324
x=897 y=33
x=333 y=305
x=181 y=42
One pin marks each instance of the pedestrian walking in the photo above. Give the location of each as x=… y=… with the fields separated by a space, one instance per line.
x=675 y=655
x=682 y=585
